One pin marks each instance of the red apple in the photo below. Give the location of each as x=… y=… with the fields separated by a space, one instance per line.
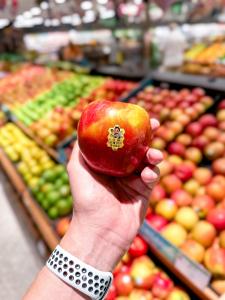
x=138 y=294
x=171 y=183
x=184 y=119
x=222 y=126
x=156 y=221
x=119 y=132
x=215 y=261
x=217 y=218
x=111 y=295
x=208 y=120
x=178 y=294
x=203 y=204
x=194 y=129
x=211 y=133
x=203 y=175
x=218 y=166
x=204 y=233
x=222 y=104
x=158 y=193
x=162 y=286
x=166 y=208
x=222 y=239
x=221 y=115
x=214 y=150
x=194 y=250
x=176 y=148
x=200 y=142
x=142 y=272
x=158 y=143
x=181 y=197
x=191 y=186
x=199 y=92
x=216 y=191
x=184 y=139
x=193 y=154
x=166 y=167
x=123 y=284
x=138 y=247
x=184 y=171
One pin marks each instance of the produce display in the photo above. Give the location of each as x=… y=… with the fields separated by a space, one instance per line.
x=137 y=277
x=28 y=82
x=121 y=132
x=174 y=109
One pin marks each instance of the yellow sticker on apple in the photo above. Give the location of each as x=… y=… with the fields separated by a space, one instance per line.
x=116 y=137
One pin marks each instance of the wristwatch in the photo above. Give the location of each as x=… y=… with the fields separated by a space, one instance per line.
x=79 y=275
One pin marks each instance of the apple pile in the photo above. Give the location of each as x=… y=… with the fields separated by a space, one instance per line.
x=137 y=277
x=188 y=209
x=174 y=109
x=204 y=136
x=65 y=93
x=31 y=160
x=111 y=90
x=28 y=82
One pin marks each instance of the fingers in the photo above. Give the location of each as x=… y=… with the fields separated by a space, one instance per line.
x=154 y=124
x=154 y=156
x=150 y=176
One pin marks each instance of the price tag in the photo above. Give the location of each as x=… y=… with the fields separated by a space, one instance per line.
x=193 y=271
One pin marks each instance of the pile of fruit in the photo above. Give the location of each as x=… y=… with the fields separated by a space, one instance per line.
x=52 y=192
x=174 y=109
x=65 y=93
x=204 y=138
x=138 y=277
x=28 y=82
x=31 y=160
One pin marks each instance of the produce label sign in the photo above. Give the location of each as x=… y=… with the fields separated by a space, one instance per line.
x=116 y=137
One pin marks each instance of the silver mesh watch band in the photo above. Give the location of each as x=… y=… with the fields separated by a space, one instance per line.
x=79 y=275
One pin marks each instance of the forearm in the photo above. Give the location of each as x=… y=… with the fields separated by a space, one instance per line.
x=86 y=245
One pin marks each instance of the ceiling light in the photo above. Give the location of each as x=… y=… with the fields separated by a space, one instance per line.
x=55 y=22
x=66 y=19
x=85 y=5
x=137 y=2
x=60 y=1
x=44 y=5
x=35 y=11
x=47 y=22
x=4 y=22
x=37 y=20
x=107 y=14
x=76 y=20
x=102 y=1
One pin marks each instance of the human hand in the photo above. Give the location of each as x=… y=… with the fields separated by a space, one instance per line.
x=108 y=211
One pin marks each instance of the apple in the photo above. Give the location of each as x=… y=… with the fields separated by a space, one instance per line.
x=208 y=120
x=184 y=139
x=221 y=115
x=99 y=127
x=111 y=295
x=176 y=127
x=211 y=133
x=175 y=159
x=181 y=198
x=156 y=221
x=186 y=217
x=166 y=208
x=222 y=126
x=222 y=239
x=216 y=191
x=162 y=286
x=171 y=183
x=176 y=148
x=218 y=285
x=207 y=101
x=222 y=104
x=178 y=294
x=193 y=250
x=138 y=294
x=219 y=179
x=199 y=92
x=200 y=142
x=165 y=167
x=142 y=272
x=203 y=175
x=174 y=233
x=214 y=150
x=158 y=193
x=204 y=233
x=184 y=119
x=203 y=204
x=218 y=166
x=138 y=247
x=191 y=186
x=184 y=171
x=214 y=261
x=221 y=138
x=193 y=154
x=158 y=143
x=123 y=284
x=217 y=218
x=194 y=129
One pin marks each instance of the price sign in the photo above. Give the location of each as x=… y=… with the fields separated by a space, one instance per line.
x=193 y=271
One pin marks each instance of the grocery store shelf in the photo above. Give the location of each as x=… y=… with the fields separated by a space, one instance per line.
x=36 y=213
x=193 y=275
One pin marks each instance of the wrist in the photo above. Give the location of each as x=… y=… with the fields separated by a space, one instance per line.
x=91 y=245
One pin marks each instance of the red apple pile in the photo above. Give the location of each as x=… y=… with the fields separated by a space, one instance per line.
x=137 y=277
x=174 y=109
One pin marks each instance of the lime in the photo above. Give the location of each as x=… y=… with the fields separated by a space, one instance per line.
x=47 y=187
x=35 y=190
x=49 y=175
x=53 y=197
x=70 y=200
x=41 y=182
x=53 y=212
x=65 y=191
x=45 y=203
x=65 y=178
x=58 y=183
x=59 y=170
x=40 y=197
x=64 y=207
